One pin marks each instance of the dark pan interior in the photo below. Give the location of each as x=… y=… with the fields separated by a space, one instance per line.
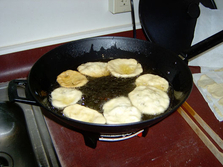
x=68 y=56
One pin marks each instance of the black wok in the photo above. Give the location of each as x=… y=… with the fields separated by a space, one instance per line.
x=68 y=56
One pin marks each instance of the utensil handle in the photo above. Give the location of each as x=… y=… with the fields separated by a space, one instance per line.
x=203 y=46
x=133 y=18
x=13 y=92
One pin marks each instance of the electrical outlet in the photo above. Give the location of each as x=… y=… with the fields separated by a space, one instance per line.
x=119 y=6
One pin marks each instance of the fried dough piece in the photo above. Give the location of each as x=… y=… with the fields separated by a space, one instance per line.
x=124 y=68
x=94 y=69
x=152 y=80
x=149 y=100
x=82 y=113
x=216 y=90
x=71 y=79
x=118 y=101
x=120 y=110
x=204 y=81
x=62 y=97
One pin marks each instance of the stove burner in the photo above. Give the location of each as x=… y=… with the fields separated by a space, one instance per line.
x=120 y=137
x=91 y=139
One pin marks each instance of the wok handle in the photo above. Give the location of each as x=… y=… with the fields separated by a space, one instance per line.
x=203 y=46
x=13 y=87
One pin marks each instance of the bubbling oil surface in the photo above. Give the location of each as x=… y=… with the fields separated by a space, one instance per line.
x=99 y=90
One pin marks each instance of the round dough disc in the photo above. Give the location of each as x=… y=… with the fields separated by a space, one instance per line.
x=149 y=100
x=62 y=97
x=204 y=81
x=124 y=68
x=120 y=110
x=82 y=113
x=71 y=79
x=94 y=69
x=152 y=80
x=216 y=90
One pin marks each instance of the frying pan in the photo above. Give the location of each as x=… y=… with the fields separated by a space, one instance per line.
x=167 y=64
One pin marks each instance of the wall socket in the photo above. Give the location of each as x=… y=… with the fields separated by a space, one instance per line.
x=119 y=6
